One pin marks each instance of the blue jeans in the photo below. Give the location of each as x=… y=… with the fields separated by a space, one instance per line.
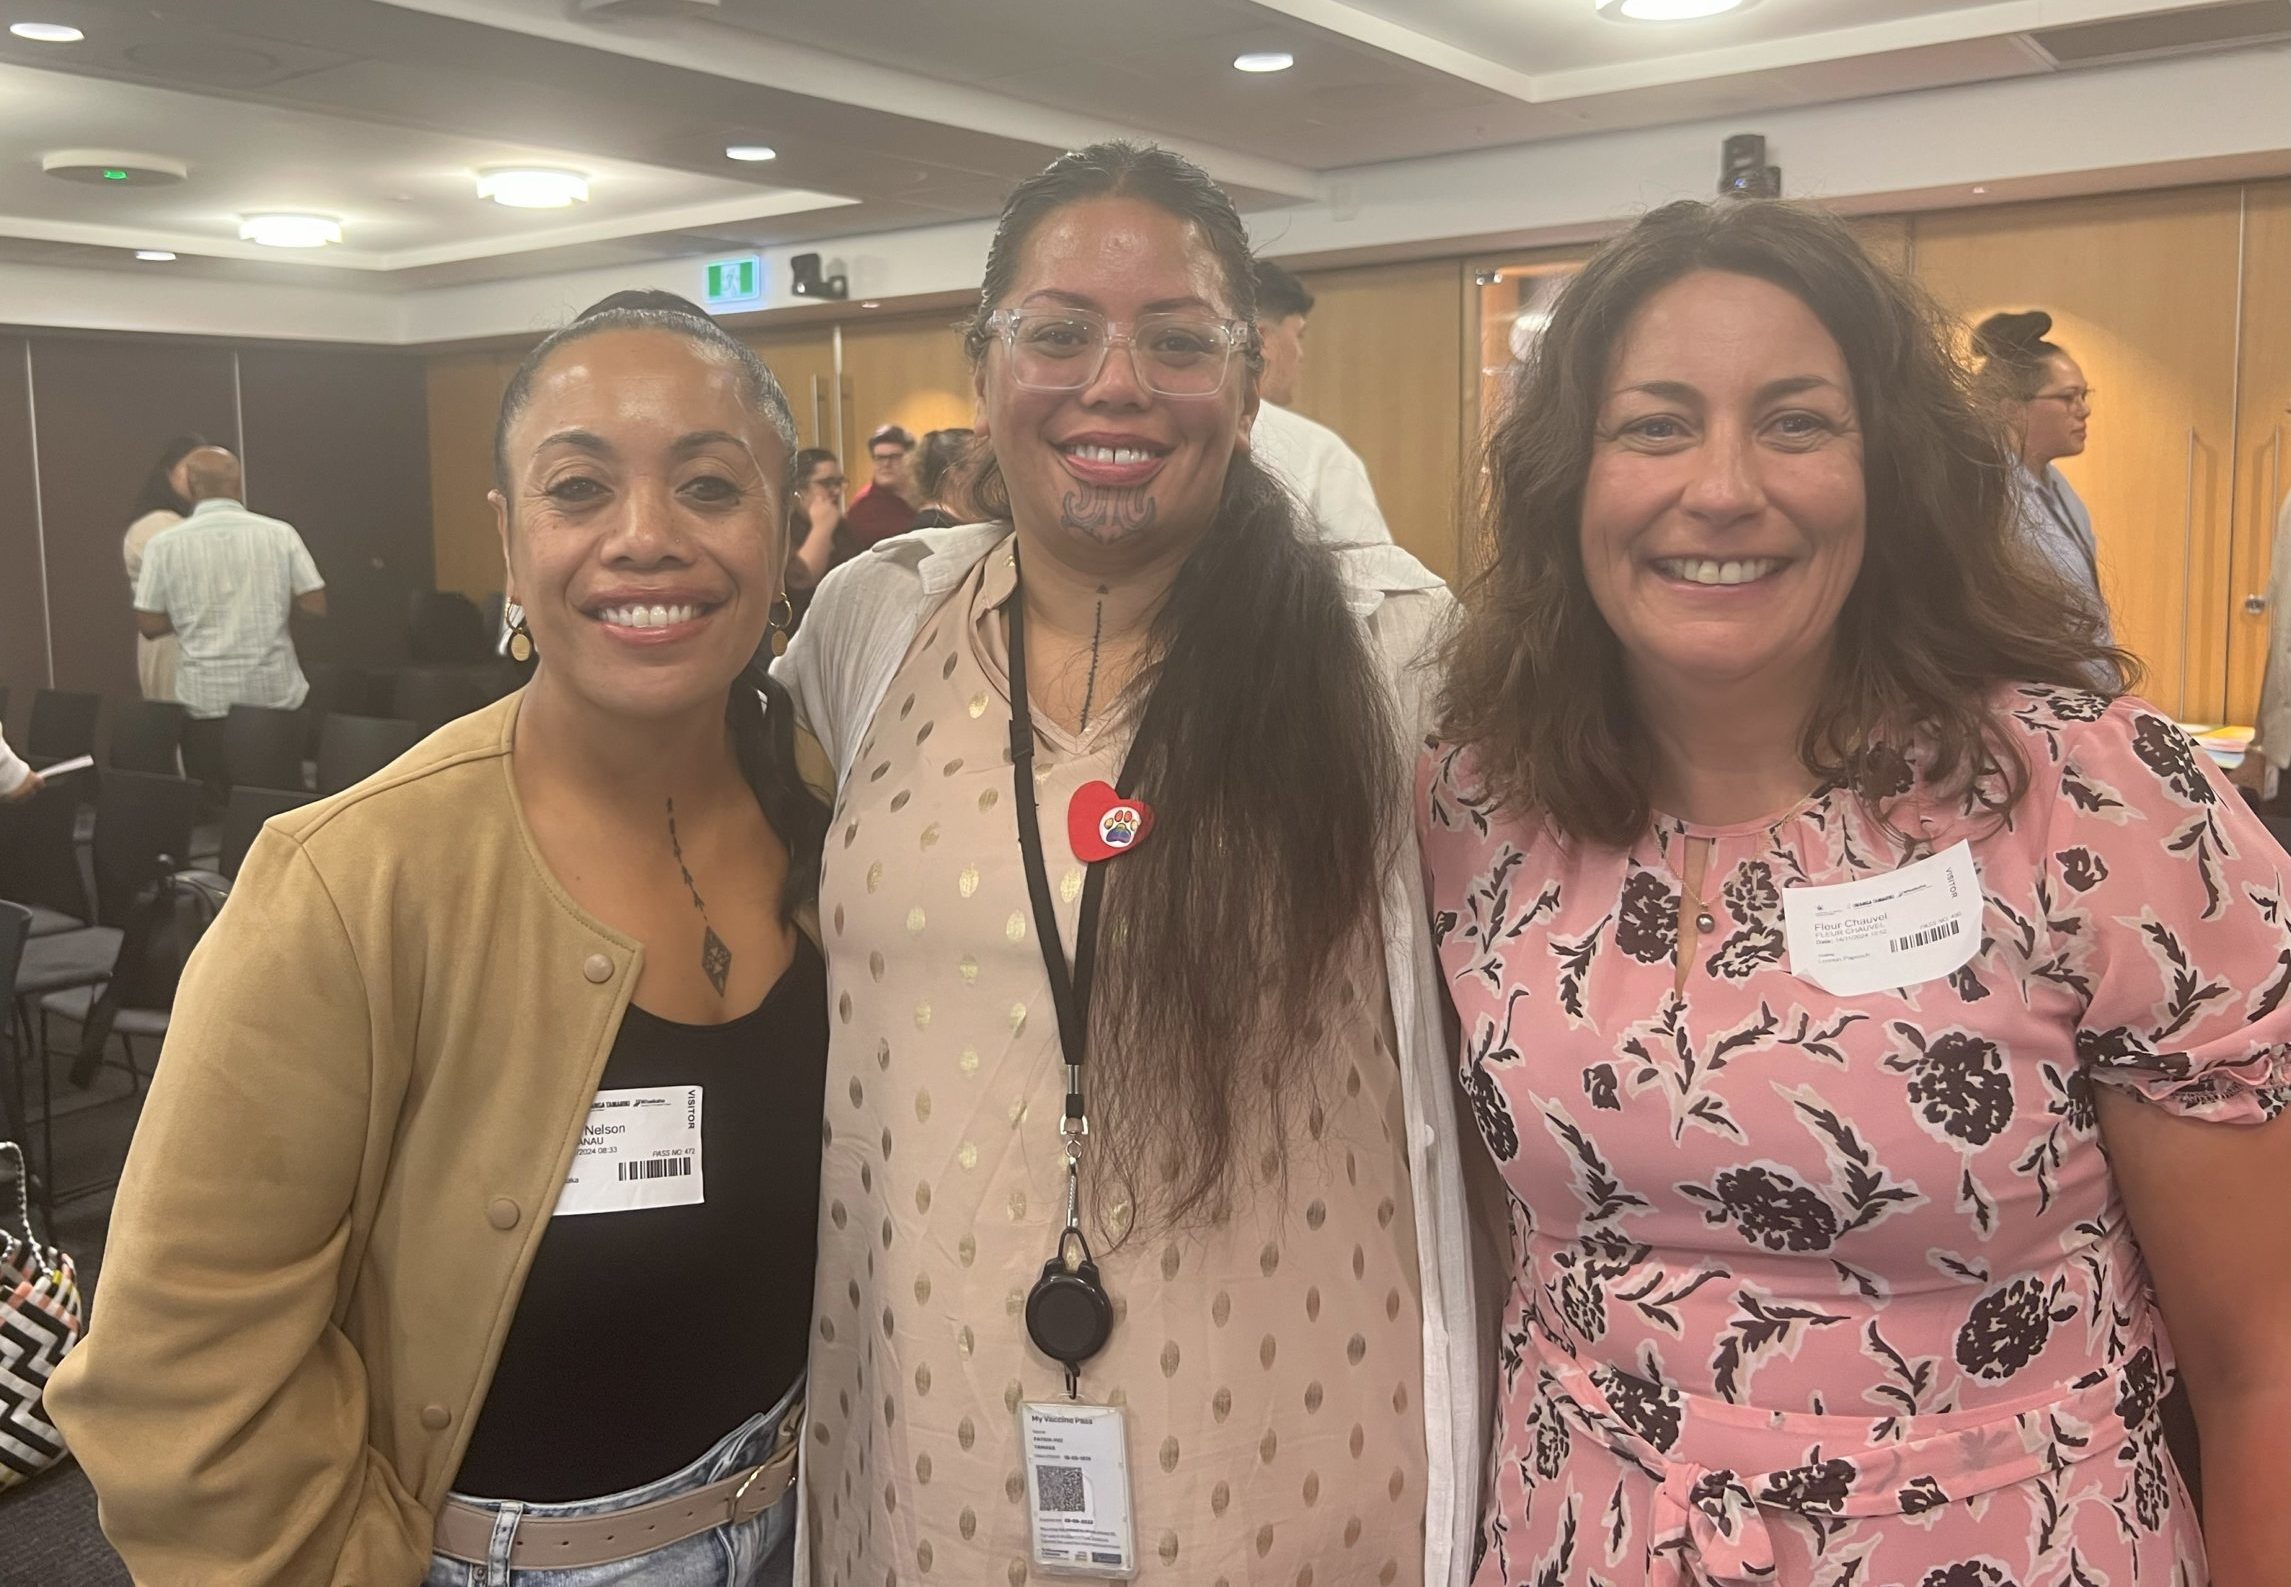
x=756 y=1553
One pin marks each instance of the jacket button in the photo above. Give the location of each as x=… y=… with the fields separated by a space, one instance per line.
x=597 y=968
x=436 y=1418
x=501 y=1212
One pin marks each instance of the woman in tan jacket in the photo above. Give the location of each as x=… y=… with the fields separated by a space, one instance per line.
x=468 y=1235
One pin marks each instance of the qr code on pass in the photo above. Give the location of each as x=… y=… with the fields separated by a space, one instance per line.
x=1061 y=1489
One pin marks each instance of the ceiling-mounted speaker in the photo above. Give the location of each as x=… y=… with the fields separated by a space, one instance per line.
x=113 y=168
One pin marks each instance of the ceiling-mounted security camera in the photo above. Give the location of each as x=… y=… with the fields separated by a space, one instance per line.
x=810 y=283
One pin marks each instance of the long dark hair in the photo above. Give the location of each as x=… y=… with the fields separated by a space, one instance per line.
x=1268 y=755
x=1948 y=605
x=158 y=492
x=757 y=708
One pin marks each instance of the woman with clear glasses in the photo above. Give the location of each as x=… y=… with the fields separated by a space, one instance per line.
x=2040 y=396
x=1139 y=1137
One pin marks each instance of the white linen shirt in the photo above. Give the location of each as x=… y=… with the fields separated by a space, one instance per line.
x=13 y=771
x=838 y=669
x=1326 y=476
x=227 y=579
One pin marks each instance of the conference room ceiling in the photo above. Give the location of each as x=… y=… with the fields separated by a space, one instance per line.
x=885 y=114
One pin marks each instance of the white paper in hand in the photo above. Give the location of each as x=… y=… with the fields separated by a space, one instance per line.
x=1914 y=924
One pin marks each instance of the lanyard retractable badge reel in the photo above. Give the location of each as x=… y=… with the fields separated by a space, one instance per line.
x=1069 y=1315
x=1075 y=1453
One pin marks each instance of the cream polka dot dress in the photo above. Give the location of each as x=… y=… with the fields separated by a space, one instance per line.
x=1270 y=1367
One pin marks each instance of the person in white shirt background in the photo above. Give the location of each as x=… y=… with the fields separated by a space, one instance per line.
x=227 y=580
x=1326 y=475
x=160 y=505
x=2270 y=753
x=17 y=780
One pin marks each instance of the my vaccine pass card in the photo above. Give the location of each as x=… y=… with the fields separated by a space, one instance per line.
x=1915 y=924
x=639 y=1148
x=1078 y=1488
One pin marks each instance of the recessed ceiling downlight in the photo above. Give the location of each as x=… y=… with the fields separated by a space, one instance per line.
x=750 y=152
x=1667 y=10
x=154 y=255
x=1264 y=61
x=533 y=187
x=47 y=32
x=290 y=231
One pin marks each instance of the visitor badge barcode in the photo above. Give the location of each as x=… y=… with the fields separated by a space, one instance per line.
x=1061 y=1489
x=1933 y=933
x=656 y=1168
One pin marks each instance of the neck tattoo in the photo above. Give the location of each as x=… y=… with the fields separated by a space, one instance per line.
x=715 y=958
x=1097 y=638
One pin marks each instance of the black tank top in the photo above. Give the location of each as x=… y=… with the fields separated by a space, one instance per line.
x=643 y=1337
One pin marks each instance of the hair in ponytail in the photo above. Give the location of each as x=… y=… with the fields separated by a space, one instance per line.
x=1268 y=753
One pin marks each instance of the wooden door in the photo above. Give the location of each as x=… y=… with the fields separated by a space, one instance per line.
x=464 y=394
x=2262 y=432
x=908 y=371
x=804 y=361
x=1384 y=369
x=2142 y=289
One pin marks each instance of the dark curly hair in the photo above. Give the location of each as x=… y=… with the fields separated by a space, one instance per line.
x=2013 y=355
x=1947 y=607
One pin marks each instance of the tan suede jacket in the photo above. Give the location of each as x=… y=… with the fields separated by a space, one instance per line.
x=380 y=1061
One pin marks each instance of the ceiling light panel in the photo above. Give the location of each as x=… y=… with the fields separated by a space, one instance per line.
x=47 y=32
x=1264 y=61
x=750 y=153
x=290 y=231
x=1667 y=10
x=533 y=187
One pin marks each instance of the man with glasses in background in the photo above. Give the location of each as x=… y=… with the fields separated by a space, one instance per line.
x=882 y=509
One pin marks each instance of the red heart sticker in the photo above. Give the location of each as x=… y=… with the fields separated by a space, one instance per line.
x=1100 y=823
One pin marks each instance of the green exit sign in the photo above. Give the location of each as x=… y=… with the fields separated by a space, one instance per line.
x=736 y=282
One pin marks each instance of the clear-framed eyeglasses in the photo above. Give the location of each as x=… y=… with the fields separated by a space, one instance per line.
x=2073 y=398
x=1175 y=355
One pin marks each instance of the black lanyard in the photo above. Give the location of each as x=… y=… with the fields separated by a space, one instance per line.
x=1068 y=1314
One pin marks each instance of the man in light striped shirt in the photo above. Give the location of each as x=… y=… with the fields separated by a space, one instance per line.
x=226 y=580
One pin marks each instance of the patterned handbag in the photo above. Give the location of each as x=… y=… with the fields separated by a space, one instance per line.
x=39 y=1321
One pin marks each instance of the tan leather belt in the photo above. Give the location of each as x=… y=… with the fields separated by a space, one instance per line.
x=465 y=1531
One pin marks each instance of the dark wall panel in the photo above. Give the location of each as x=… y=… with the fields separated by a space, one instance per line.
x=105 y=407
x=23 y=623
x=337 y=444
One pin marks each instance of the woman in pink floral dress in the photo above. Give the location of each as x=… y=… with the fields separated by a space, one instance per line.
x=1818 y=1278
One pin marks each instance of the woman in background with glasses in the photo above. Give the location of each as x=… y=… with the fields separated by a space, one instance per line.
x=2040 y=396
x=1269 y=1182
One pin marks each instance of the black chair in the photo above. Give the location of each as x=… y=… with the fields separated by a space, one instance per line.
x=62 y=726
x=353 y=748
x=337 y=692
x=40 y=863
x=445 y=628
x=15 y=931
x=142 y=831
x=146 y=735
x=262 y=747
x=430 y=697
x=244 y=817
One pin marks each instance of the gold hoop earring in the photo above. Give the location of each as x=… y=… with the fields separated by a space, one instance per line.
x=781 y=626
x=520 y=636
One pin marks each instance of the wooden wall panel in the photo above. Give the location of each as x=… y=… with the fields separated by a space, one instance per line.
x=105 y=407
x=2142 y=289
x=804 y=363
x=463 y=393
x=2262 y=435
x=1384 y=368
x=908 y=371
x=23 y=599
x=336 y=445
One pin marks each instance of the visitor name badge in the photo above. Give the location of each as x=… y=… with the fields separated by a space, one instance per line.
x=1100 y=823
x=1915 y=924
x=1078 y=1488
x=639 y=1148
